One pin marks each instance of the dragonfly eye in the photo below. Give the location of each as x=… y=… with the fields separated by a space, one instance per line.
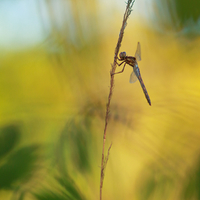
x=122 y=55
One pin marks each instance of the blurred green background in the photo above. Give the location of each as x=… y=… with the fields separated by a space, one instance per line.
x=55 y=61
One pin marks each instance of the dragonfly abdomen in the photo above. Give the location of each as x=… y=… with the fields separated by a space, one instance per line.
x=144 y=89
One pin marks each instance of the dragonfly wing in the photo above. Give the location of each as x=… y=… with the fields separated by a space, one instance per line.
x=138 y=52
x=133 y=77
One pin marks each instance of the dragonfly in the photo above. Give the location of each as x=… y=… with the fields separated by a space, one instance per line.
x=133 y=62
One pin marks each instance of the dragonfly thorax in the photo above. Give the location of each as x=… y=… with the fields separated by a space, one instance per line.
x=122 y=55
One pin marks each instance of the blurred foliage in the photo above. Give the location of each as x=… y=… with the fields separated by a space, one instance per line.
x=192 y=183
x=180 y=16
x=18 y=167
x=17 y=164
x=72 y=156
x=77 y=138
x=156 y=183
x=9 y=138
x=186 y=10
x=73 y=27
x=70 y=191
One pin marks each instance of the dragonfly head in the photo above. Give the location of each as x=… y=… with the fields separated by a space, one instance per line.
x=122 y=55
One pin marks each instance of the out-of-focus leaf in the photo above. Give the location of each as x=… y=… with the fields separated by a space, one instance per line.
x=18 y=167
x=21 y=196
x=69 y=191
x=189 y=190
x=76 y=137
x=192 y=187
x=81 y=140
x=148 y=189
x=49 y=195
x=9 y=136
x=155 y=183
x=181 y=16
x=70 y=188
x=198 y=181
x=187 y=9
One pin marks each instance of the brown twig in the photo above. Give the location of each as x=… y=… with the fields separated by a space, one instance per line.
x=112 y=72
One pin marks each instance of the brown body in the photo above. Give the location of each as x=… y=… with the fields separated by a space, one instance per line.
x=130 y=60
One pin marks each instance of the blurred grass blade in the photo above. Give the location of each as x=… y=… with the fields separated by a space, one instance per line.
x=49 y=195
x=19 y=167
x=71 y=188
x=9 y=137
x=69 y=191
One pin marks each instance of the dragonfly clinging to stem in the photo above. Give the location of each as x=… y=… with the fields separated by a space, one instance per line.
x=132 y=61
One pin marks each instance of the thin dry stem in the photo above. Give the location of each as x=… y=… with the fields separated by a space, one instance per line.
x=112 y=72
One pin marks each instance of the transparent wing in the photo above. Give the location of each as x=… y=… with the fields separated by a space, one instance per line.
x=133 y=77
x=138 y=52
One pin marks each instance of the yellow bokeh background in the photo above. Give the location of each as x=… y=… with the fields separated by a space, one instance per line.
x=45 y=89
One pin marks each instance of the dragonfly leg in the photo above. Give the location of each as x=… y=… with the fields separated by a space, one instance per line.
x=120 y=63
x=122 y=69
x=119 y=60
